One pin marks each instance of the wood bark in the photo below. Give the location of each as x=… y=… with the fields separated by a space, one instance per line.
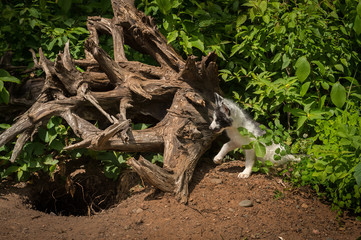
x=176 y=97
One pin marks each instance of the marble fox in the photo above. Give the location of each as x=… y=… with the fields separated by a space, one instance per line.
x=229 y=117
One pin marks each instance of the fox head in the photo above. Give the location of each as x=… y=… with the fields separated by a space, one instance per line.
x=221 y=115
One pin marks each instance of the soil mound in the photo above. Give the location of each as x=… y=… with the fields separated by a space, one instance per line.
x=221 y=206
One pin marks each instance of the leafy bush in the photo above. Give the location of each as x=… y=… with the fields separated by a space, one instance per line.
x=47 y=24
x=334 y=168
x=38 y=155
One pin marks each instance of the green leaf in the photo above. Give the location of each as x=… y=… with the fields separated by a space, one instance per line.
x=263 y=6
x=4 y=96
x=1 y=85
x=286 y=61
x=301 y=121
x=357 y=174
x=303 y=68
x=320 y=165
x=65 y=5
x=316 y=114
x=338 y=95
x=304 y=88
x=260 y=149
x=325 y=85
x=297 y=112
x=157 y=158
x=10 y=79
x=11 y=170
x=320 y=66
x=56 y=144
x=266 y=18
x=51 y=44
x=50 y=161
x=198 y=44
x=235 y=49
x=20 y=174
x=4 y=125
x=34 y=13
x=357 y=25
x=241 y=19
x=358 y=9
x=164 y=5
x=140 y=126
x=172 y=36
x=4 y=73
x=339 y=67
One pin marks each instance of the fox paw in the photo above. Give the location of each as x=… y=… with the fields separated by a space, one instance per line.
x=244 y=175
x=217 y=160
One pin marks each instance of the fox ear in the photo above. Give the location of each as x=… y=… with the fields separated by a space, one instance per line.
x=219 y=102
x=218 y=99
x=226 y=110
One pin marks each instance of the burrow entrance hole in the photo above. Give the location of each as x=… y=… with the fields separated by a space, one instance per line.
x=81 y=190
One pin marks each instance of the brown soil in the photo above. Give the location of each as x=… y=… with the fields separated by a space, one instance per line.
x=213 y=212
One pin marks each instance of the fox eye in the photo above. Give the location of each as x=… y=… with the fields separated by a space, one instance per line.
x=226 y=110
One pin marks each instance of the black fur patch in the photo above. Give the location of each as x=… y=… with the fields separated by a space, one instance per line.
x=222 y=120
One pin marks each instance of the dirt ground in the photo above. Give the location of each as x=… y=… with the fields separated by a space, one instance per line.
x=213 y=212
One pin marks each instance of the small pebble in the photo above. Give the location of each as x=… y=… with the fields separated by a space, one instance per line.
x=304 y=205
x=139 y=210
x=216 y=180
x=315 y=231
x=245 y=203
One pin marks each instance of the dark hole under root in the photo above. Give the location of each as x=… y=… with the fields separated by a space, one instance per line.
x=84 y=192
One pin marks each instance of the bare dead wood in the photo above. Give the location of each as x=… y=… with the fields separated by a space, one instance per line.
x=175 y=97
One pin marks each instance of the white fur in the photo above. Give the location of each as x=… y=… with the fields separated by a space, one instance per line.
x=241 y=119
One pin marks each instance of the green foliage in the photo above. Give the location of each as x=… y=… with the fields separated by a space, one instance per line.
x=47 y=149
x=6 y=77
x=39 y=154
x=48 y=24
x=262 y=167
x=333 y=167
x=113 y=162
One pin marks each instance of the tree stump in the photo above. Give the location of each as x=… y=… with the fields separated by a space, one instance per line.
x=175 y=96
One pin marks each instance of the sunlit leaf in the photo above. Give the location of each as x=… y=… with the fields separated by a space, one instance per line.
x=304 y=88
x=301 y=121
x=260 y=149
x=357 y=174
x=286 y=61
x=358 y=9
x=338 y=95
x=263 y=6
x=172 y=36
x=303 y=68
x=10 y=79
x=164 y=5
x=357 y=25
x=50 y=161
x=4 y=96
x=198 y=44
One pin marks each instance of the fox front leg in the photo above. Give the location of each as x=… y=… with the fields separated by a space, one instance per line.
x=250 y=158
x=229 y=146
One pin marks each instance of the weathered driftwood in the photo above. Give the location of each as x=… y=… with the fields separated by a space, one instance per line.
x=175 y=96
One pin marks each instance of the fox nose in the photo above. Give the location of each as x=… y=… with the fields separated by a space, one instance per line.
x=214 y=129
